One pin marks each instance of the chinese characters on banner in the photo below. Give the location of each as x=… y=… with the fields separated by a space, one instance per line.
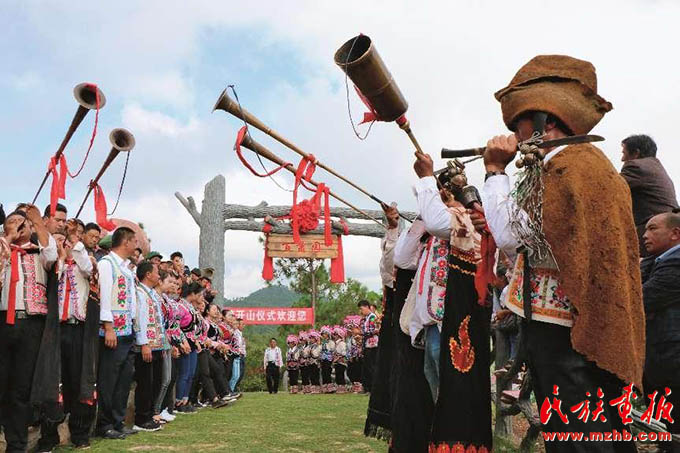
x=274 y=315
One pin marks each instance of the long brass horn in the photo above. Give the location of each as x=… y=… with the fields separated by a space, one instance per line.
x=86 y=95
x=359 y=59
x=249 y=143
x=224 y=102
x=122 y=141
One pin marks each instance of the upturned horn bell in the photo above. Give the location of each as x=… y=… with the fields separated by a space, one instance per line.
x=360 y=60
x=122 y=140
x=86 y=95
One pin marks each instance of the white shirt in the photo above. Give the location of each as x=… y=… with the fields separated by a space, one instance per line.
x=47 y=257
x=498 y=206
x=387 y=244
x=408 y=247
x=432 y=209
x=106 y=287
x=273 y=355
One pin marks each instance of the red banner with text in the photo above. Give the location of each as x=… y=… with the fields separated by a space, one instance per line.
x=274 y=315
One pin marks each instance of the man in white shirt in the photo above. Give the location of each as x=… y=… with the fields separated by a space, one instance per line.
x=23 y=308
x=74 y=268
x=272 y=365
x=121 y=327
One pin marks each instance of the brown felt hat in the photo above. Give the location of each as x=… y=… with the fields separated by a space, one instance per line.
x=557 y=84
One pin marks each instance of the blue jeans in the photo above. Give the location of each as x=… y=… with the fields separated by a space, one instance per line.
x=186 y=367
x=431 y=368
x=235 y=374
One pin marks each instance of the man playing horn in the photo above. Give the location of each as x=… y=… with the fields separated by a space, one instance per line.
x=569 y=225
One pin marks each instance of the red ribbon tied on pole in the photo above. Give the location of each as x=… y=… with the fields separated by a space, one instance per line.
x=100 y=208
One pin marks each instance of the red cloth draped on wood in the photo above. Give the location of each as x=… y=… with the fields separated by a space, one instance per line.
x=303 y=216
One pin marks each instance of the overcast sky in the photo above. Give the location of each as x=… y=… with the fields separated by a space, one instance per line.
x=162 y=64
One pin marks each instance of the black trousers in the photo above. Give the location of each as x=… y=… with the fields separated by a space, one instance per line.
x=148 y=376
x=203 y=379
x=116 y=370
x=293 y=376
x=340 y=373
x=326 y=371
x=82 y=415
x=354 y=370
x=19 y=346
x=304 y=373
x=217 y=372
x=368 y=368
x=273 y=376
x=228 y=367
x=169 y=401
x=314 y=375
x=553 y=362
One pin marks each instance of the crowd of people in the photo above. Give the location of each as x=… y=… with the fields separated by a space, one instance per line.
x=333 y=359
x=574 y=272
x=83 y=316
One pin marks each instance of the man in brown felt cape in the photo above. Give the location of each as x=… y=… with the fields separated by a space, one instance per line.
x=584 y=330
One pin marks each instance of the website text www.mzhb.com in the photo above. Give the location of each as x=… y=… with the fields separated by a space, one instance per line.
x=607 y=436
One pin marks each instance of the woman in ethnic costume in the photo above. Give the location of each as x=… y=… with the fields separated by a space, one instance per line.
x=293 y=363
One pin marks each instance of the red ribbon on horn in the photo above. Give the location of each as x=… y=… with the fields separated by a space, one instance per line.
x=100 y=208
x=58 y=189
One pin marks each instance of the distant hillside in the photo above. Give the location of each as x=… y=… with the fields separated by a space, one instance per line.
x=269 y=296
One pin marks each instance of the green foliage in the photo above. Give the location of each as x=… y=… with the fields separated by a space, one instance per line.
x=269 y=296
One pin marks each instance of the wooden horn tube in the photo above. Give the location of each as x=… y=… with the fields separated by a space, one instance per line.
x=86 y=96
x=122 y=141
x=257 y=148
x=224 y=102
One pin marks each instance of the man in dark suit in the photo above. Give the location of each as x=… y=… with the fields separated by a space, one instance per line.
x=661 y=296
x=650 y=186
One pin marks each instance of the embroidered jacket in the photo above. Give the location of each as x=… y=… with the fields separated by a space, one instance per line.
x=293 y=358
x=369 y=329
x=118 y=298
x=340 y=353
x=354 y=349
x=171 y=316
x=149 y=306
x=549 y=302
x=314 y=354
x=33 y=265
x=327 y=349
x=305 y=354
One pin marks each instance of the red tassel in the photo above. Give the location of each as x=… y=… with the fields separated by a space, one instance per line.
x=100 y=209
x=268 y=265
x=338 y=265
x=484 y=274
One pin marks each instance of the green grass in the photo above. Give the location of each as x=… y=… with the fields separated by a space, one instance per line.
x=262 y=423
